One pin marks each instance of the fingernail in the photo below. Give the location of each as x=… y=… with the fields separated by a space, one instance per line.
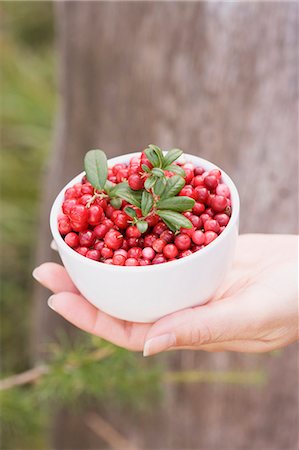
x=51 y=301
x=35 y=274
x=159 y=344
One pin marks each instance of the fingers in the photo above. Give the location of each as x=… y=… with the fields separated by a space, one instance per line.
x=54 y=277
x=215 y=323
x=78 y=311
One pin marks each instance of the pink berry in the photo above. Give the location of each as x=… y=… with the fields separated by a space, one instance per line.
x=211 y=182
x=198 y=237
x=196 y=221
x=109 y=211
x=70 y=193
x=170 y=251
x=107 y=252
x=135 y=182
x=144 y=262
x=132 y=262
x=108 y=261
x=159 y=228
x=216 y=173
x=87 y=238
x=185 y=253
x=205 y=217
x=122 y=175
x=108 y=223
x=198 y=181
x=85 y=199
x=182 y=241
x=118 y=260
x=122 y=252
x=219 y=203
x=95 y=215
x=189 y=174
x=187 y=231
x=222 y=219
x=113 y=239
x=149 y=239
x=93 y=254
x=158 y=245
x=211 y=225
x=209 y=237
x=148 y=253
x=64 y=226
x=159 y=259
x=223 y=190
x=87 y=189
x=188 y=191
x=135 y=252
x=198 y=171
x=99 y=245
x=72 y=239
x=167 y=236
x=133 y=242
x=68 y=204
x=82 y=250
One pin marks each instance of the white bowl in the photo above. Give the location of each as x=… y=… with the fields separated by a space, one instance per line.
x=147 y=293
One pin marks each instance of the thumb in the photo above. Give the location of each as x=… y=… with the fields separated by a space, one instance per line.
x=221 y=321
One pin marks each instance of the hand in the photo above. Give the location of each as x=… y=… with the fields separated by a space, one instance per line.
x=255 y=310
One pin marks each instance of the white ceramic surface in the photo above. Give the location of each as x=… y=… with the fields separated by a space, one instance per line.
x=147 y=293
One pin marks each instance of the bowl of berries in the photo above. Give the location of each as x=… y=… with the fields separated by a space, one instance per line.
x=146 y=234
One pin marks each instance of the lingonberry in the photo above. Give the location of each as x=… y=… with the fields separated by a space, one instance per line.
x=211 y=225
x=188 y=191
x=216 y=173
x=135 y=182
x=78 y=214
x=87 y=238
x=84 y=199
x=108 y=223
x=78 y=187
x=185 y=253
x=68 y=204
x=159 y=228
x=87 y=189
x=77 y=226
x=133 y=242
x=120 y=218
x=196 y=221
x=198 y=208
x=135 y=252
x=205 y=217
x=99 y=245
x=117 y=167
x=198 y=181
x=125 y=245
x=72 y=239
x=187 y=231
x=182 y=241
x=102 y=202
x=222 y=219
x=211 y=182
x=95 y=215
x=145 y=161
x=100 y=230
x=93 y=254
x=109 y=211
x=152 y=220
x=144 y=262
x=148 y=253
x=82 y=250
x=158 y=245
x=133 y=232
x=118 y=260
x=170 y=251
x=167 y=236
x=222 y=189
x=122 y=252
x=210 y=236
x=108 y=261
x=219 y=203
x=189 y=174
x=113 y=239
x=198 y=171
x=202 y=194
x=122 y=175
x=64 y=226
x=70 y=193
x=159 y=259
x=149 y=239
x=198 y=237
x=132 y=262
x=106 y=252
x=134 y=169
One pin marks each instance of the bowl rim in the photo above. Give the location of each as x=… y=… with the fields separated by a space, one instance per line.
x=56 y=207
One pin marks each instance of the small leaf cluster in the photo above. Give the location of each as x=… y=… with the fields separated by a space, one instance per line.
x=160 y=193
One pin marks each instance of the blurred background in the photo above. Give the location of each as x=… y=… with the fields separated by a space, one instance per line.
x=216 y=79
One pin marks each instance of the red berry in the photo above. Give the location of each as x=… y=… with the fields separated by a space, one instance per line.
x=182 y=241
x=93 y=254
x=209 y=237
x=222 y=189
x=135 y=252
x=117 y=167
x=132 y=262
x=198 y=208
x=79 y=214
x=189 y=174
x=219 y=203
x=216 y=173
x=187 y=231
x=87 y=189
x=211 y=225
x=158 y=245
x=108 y=223
x=185 y=253
x=211 y=182
x=222 y=219
x=72 y=239
x=159 y=228
x=70 y=193
x=144 y=262
x=102 y=202
x=82 y=250
x=135 y=182
x=107 y=252
x=145 y=161
x=95 y=215
x=99 y=245
x=202 y=194
x=125 y=245
x=198 y=171
x=148 y=253
x=113 y=239
x=118 y=260
x=152 y=220
x=170 y=251
x=122 y=252
x=198 y=181
x=67 y=205
x=159 y=259
x=87 y=238
x=108 y=261
x=85 y=199
x=167 y=236
x=78 y=187
x=205 y=217
x=196 y=221
x=133 y=232
x=121 y=219
x=64 y=226
x=109 y=211
x=133 y=242
x=198 y=237
x=100 y=230
x=189 y=192
x=122 y=175
x=149 y=239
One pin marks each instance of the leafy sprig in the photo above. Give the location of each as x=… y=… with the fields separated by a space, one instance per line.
x=159 y=195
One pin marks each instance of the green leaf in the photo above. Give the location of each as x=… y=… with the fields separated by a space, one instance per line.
x=124 y=191
x=145 y=168
x=170 y=225
x=159 y=154
x=149 y=183
x=116 y=202
x=130 y=211
x=176 y=169
x=160 y=186
x=108 y=186
x=179 y=204
x=142 y=226
x=173 y=186
x=176 y=220
x=147 y=202
x=171 y=156
x=158 y=172
x=96 y=168
x=152 y=157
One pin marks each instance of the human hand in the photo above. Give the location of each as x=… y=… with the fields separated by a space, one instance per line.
x=256 y=309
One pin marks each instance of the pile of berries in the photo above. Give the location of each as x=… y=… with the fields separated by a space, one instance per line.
x=97 y=230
